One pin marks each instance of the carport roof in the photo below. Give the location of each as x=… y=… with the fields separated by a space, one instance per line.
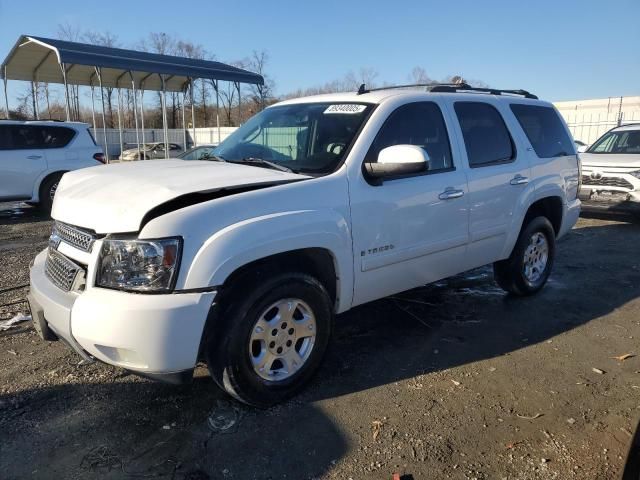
x=41 y=59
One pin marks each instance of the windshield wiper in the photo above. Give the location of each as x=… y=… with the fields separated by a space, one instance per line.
x=262 y=161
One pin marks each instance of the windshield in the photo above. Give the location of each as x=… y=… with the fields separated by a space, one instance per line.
x=306 y=137
x=624 y=141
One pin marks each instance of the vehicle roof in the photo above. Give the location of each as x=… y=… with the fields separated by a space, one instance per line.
x=629 y=126
x=53 y=123
x=381 y=96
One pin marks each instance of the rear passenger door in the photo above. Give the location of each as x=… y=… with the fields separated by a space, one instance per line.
x=22 y=160
x=498 y=175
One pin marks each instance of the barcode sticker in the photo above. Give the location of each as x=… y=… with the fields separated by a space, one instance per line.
x=352 y=108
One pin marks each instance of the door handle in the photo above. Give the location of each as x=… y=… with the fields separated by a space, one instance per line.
x=450 y=194
x=519 y=180
x=34 y=157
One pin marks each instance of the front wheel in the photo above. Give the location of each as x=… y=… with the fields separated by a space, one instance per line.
x=271 y=338
x=528 y=268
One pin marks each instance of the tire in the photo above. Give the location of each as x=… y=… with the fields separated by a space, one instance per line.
x=250 y=331
x=47 y=191
x=528 y=268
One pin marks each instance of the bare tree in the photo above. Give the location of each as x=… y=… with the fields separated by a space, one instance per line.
x=105 y=39
x=419 y=75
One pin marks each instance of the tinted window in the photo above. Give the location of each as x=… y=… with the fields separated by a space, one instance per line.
x=544 y=130
x=36 y=137
x=486 y=137
x=622 y=141
x=5 y=138
x=420 y=124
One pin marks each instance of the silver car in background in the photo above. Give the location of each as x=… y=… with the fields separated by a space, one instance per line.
x=150 y=150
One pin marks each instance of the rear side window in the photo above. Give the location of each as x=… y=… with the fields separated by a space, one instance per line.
x=544 y=130
x=5 y=139
x=420 y=124
x=55 y=137
x=25 y=137
x=486 y=137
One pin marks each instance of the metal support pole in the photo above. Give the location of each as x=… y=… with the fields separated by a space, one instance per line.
x=34 y=92
x=66 y=90
x=215 y=87
x=6 y=97
x=184 y=126
x=165 y=131
x=104 y=115
x=239 y=105
x=120 y=121
x=93 y=108
x=142 y=118
x=135 y=111
x=193 y=111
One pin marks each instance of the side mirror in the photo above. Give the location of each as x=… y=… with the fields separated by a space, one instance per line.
x=398 y=160
x=583 y=148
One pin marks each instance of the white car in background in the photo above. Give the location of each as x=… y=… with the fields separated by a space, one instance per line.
x=611 y=171
x=35 y=154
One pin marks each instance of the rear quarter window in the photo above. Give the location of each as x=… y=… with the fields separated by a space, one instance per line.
x=544 y=129
x=56 y=137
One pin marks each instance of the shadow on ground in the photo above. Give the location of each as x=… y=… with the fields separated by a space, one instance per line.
x=140 y=428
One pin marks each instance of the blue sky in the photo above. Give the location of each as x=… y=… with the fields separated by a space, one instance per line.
x=558 y=49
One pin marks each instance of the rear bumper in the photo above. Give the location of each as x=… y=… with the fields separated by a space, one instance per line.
x=157 y=336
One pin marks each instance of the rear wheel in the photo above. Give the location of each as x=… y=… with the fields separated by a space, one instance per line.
x=48 y=190
x=270 y=339
x=528 y=268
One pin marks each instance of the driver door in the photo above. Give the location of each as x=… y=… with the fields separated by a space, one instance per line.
x=410 y=230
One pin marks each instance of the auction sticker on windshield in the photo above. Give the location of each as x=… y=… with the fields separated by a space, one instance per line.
x=345 y=108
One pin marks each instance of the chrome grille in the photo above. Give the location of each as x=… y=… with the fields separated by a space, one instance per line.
x=62 y=271
x=606 y=182
x=80 y=239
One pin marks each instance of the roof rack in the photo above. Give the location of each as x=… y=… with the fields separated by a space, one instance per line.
x=451 y=88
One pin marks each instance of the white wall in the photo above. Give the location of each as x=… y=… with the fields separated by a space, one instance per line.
x=589 y=119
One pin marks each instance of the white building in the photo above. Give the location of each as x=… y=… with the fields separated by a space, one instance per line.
x=588 y=119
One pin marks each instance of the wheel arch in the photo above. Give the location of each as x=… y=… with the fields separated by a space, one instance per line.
x=550 y=206
x=35 y=196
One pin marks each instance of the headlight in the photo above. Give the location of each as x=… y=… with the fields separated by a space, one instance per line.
x=635 y=173
x=139 y=265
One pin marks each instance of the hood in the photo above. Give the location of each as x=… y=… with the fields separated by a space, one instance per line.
x=116 y=198
x=610 y=160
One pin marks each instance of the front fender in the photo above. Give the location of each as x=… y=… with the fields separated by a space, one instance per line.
x=241 y=243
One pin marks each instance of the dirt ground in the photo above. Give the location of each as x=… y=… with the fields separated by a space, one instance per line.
x=455 y=380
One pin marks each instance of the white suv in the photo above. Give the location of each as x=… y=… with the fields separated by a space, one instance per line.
x=314 y=206
x=35 y=154
x=611 y=171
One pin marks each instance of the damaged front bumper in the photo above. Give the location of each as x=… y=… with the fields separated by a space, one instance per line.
x=615 y=201
x=156 y=336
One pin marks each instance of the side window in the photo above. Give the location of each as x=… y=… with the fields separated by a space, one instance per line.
x=486 y=137
x=544 y=130
x=54 y=137
x=419 y=124
x=173 y=146
x=5 y=139
x=25 y=137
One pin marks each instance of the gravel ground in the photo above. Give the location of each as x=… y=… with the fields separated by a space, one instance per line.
x=454 y=380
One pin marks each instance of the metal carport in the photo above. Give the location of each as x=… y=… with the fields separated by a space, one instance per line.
x=39 y=59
